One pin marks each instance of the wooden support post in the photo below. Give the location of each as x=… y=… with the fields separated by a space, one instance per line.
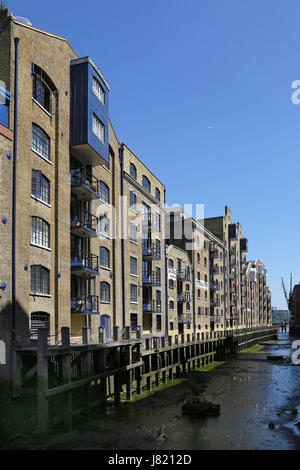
x=86 y=364
x=42 y=381
x=86 y=335
x=129 y=375
x=139 y=332
x=117 y=387
x=102 y=335
x=16 y=373
x=127 y=332
x=103 y=382
x=117 y=334
x=66 y=379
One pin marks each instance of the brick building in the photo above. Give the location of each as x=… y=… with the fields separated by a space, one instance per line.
x=83 y=220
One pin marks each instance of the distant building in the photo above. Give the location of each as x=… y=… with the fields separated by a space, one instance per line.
x=294 y=306
x=279 y=316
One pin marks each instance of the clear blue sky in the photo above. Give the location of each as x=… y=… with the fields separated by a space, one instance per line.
x=201 y=91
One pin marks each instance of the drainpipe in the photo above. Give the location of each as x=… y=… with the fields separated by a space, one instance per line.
x=166 y=292
x=14 y=217
x=121 y=157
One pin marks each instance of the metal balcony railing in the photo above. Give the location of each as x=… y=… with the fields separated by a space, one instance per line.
x=185 y=318
x=85 y=261
x=151 y=249
x=84 y=220
x=214 y=286
x=213 y=253
x=152 y=278
x=85 y=304
x=184 y=275
x=83 y=177
x=153 y=306
x=184 y=297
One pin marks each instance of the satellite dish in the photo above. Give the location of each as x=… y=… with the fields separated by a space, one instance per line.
x=23 y=20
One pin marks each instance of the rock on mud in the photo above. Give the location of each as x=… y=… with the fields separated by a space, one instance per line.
x=194 y=406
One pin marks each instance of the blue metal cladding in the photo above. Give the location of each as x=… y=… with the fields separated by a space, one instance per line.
x=4 y=105
x=84 y=104
x=232 y=231
x=244 y=244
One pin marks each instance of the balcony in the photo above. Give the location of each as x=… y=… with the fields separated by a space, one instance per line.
x=84 y=185
x=185 y=318
x=184 y=275
x=183 y=297
x=85 y=305
x=153 y=306
x=213 y=253
x=85 y=264
x=214 y=286
x=151 y=278
x=151 y=250
x=84 y=224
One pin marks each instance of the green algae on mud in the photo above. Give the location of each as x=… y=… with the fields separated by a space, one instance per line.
x=256 y=348
x=170 y=383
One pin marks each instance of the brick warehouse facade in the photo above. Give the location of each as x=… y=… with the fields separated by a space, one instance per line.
x=88 y=246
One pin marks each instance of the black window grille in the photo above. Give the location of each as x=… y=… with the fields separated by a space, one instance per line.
x=39 y=279
x=40 y=142
x=38 y=320
x=40 y=232
x=40 y=186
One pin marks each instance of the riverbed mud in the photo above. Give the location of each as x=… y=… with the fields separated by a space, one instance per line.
x=260 y=403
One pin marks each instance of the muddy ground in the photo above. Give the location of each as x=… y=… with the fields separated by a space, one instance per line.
x=260 y=409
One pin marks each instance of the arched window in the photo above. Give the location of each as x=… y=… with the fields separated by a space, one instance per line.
x=188 y=306
x=40 y=186
x=40 y=232
x=42 y=88
x=205 y=278
x=157 y=194
x=205 y=261
x=104 y=192
x=199 y=293
x=133 y=199
x=104 y=225
x=198 y=258
x=104 y=292
x=198 y=276
x=38 y=320
x=171 y=263
x=39 y=279
x=187 y=287
x=40 y=142
x=104 y=257
x=146 y=183
x=133 y=172
x=171 y=284
x=171 y=305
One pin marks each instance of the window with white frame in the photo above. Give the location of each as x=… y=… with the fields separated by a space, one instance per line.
x=104 y=192
x=40 y=186
x=133 y=200
x=98 y=90
x=39 y=279
x=104 y=257
x=98 y=128
x=40 y=142
x=133 y=293
x=133 y=232
x=133 y=172
x=40 y=232
x=104 y=225
x=104 y=292
x=133 y=265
